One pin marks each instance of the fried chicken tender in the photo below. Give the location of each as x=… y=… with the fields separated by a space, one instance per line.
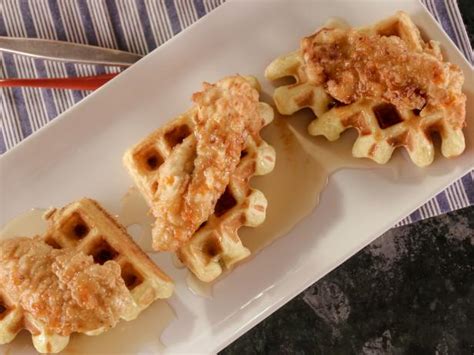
x=62 y=288
x=226 y=113
x=353 y=64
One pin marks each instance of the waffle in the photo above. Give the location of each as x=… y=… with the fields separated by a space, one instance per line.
x=215 y=245
x=381 y=124
x=85 y=226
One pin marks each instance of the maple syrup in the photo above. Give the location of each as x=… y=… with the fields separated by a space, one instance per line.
x=198 y=287
x=136 y=217
x=302 y=170
x=176 y=262
x=27 y=224
x=144 y=331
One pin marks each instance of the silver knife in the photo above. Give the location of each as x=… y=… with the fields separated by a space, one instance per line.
x=66 y=51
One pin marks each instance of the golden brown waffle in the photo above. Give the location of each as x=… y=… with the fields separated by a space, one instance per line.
x=216 y=244
x=381 y=125
x=85 y=226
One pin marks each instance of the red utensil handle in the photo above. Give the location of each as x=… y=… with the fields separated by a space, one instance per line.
x=77 y=83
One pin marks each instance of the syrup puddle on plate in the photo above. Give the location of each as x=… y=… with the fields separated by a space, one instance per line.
x=28 y=224
x=198 y=287
x=136 y=217
x=124 y=338
x=145 y=330
x=302 y=170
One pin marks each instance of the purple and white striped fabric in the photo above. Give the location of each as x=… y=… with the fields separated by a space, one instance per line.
x=139 y=26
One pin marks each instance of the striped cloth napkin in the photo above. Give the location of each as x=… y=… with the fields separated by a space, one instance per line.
x=140 y=26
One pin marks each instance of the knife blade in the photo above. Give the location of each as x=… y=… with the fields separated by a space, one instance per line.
x=66 y=51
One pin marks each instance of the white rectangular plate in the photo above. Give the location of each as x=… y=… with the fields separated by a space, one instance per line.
x=79 y=154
